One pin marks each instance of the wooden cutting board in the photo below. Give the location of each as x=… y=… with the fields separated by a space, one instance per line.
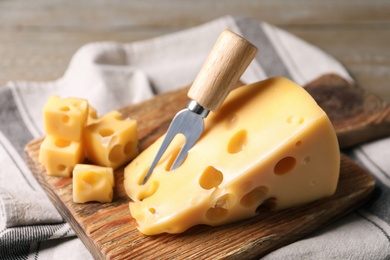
x=109 y=231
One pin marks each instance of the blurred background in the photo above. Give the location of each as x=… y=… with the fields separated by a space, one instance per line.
x=39 y=37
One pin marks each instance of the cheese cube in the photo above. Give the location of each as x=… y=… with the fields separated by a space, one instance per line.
x=65 y=118
x=92 y=183
x=59 y=156
x=269 y=145
x=92 y=115
x=111 y=141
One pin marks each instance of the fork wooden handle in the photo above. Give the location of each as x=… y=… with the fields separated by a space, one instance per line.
x=227 y=61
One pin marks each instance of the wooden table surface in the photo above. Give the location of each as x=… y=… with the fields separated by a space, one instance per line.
x=39 y=37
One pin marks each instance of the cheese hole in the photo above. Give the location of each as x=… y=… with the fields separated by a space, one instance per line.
x=284 y=165
x=115 y=154
x=65 y=119
x=217 y=213
x=268 y=205
x=128 y=148
x=254 y=197
x=65 y=108
x=231 y=121
x=61 y=167
x=152 y=210
x=61 y=143
x=91 y=179
x=148 y=191
x=105 y=132
x=238 y=142
x=118 y=117
x=295 y=120
x=299 y=143
x=226 y=201
x=77 y=105
x=221 y=207
x=210 y=178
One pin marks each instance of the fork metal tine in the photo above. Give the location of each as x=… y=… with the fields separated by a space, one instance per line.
x=187 y=123
x=224 y=66
x=167 y=140
x=190 y=142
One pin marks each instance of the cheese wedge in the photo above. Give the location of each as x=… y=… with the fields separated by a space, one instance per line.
x=92 y=183
x=269 y=144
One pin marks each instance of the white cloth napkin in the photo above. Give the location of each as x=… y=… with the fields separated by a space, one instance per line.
x=111 y=75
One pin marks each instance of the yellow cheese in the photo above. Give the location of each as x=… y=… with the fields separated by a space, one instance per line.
x=92 y=115
x=92 y=183
x=65 y=118
x=59 y=156
x=269 y=144
x=111 y=141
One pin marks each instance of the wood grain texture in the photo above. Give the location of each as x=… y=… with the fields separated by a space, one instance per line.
x=125 y=14
x=357 y=115
x=109 y=231
x=38 y=37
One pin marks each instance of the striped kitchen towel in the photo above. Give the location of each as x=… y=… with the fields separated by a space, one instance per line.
x=111 y=75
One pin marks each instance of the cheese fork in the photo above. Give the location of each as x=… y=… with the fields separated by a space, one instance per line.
x=227 y=61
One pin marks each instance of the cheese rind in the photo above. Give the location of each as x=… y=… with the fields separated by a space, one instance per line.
x=111 y=140
x=60 y=156
x=65 y=118
x=269 y=144
x=92 y=183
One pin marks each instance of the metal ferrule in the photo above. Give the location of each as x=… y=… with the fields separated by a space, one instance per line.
x=193 y=106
